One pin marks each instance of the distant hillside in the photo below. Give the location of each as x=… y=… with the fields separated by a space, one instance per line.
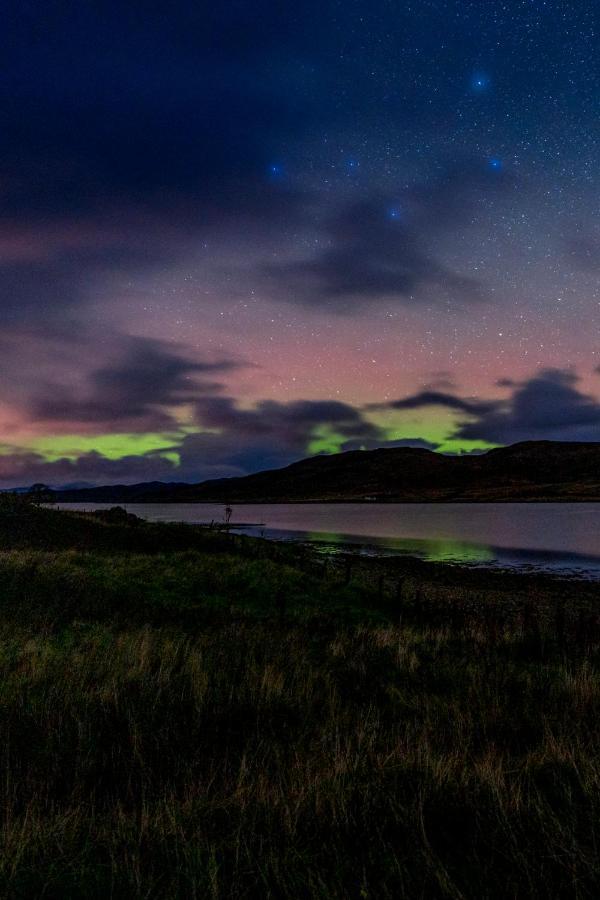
x=534 y=470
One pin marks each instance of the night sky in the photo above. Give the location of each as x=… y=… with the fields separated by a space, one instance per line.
x=236 y=234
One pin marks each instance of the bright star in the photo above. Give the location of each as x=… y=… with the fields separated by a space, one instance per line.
x=479 y=82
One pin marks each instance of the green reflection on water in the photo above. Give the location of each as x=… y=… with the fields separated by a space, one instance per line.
x=327 y=539
x=433 y=549
x=443 y=549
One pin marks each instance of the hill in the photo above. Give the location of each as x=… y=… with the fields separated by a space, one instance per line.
x=529 y=471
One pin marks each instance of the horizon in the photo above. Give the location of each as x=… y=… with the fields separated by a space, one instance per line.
x=234 y=238
x=473 y=453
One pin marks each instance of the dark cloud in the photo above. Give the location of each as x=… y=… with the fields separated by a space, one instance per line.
x=290 y=420
x=164 y=122
x=136 y=392
x=440 y=398
x=170 y=122
x=272 y=433
x=52 y=268
x=103 y=102
x=383 y=247
x=548 y=406
x=235 y=441
x=43 y=289
x=23 y=469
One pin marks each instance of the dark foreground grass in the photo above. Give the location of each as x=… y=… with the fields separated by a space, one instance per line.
x=168 y=730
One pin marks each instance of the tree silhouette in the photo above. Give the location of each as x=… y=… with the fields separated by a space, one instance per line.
x=40 y=493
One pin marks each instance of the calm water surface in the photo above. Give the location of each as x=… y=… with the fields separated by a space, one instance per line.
x=556 y=536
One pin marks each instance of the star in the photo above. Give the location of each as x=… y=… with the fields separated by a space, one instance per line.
x=480 y=82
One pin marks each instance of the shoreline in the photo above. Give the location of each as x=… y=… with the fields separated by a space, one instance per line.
x=462 y=501
x=568 y=564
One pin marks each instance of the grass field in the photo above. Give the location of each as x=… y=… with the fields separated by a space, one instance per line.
x=186 y=716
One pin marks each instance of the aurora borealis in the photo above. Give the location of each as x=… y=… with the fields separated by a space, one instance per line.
x=236 y=234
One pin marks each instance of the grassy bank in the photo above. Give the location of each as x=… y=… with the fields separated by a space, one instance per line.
x=188 y=716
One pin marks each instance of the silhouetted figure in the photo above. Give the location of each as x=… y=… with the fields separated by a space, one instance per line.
x=228 y=512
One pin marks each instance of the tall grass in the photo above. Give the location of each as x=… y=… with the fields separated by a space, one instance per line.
x=169 y=731
x=263 y=759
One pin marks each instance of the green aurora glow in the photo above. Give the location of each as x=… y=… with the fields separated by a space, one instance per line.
x=437 y=429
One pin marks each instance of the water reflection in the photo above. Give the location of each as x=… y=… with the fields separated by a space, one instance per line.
x=464 y=553
x=561 y=537
x=438 y=550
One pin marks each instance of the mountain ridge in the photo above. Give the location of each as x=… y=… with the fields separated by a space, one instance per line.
x=527 y=471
